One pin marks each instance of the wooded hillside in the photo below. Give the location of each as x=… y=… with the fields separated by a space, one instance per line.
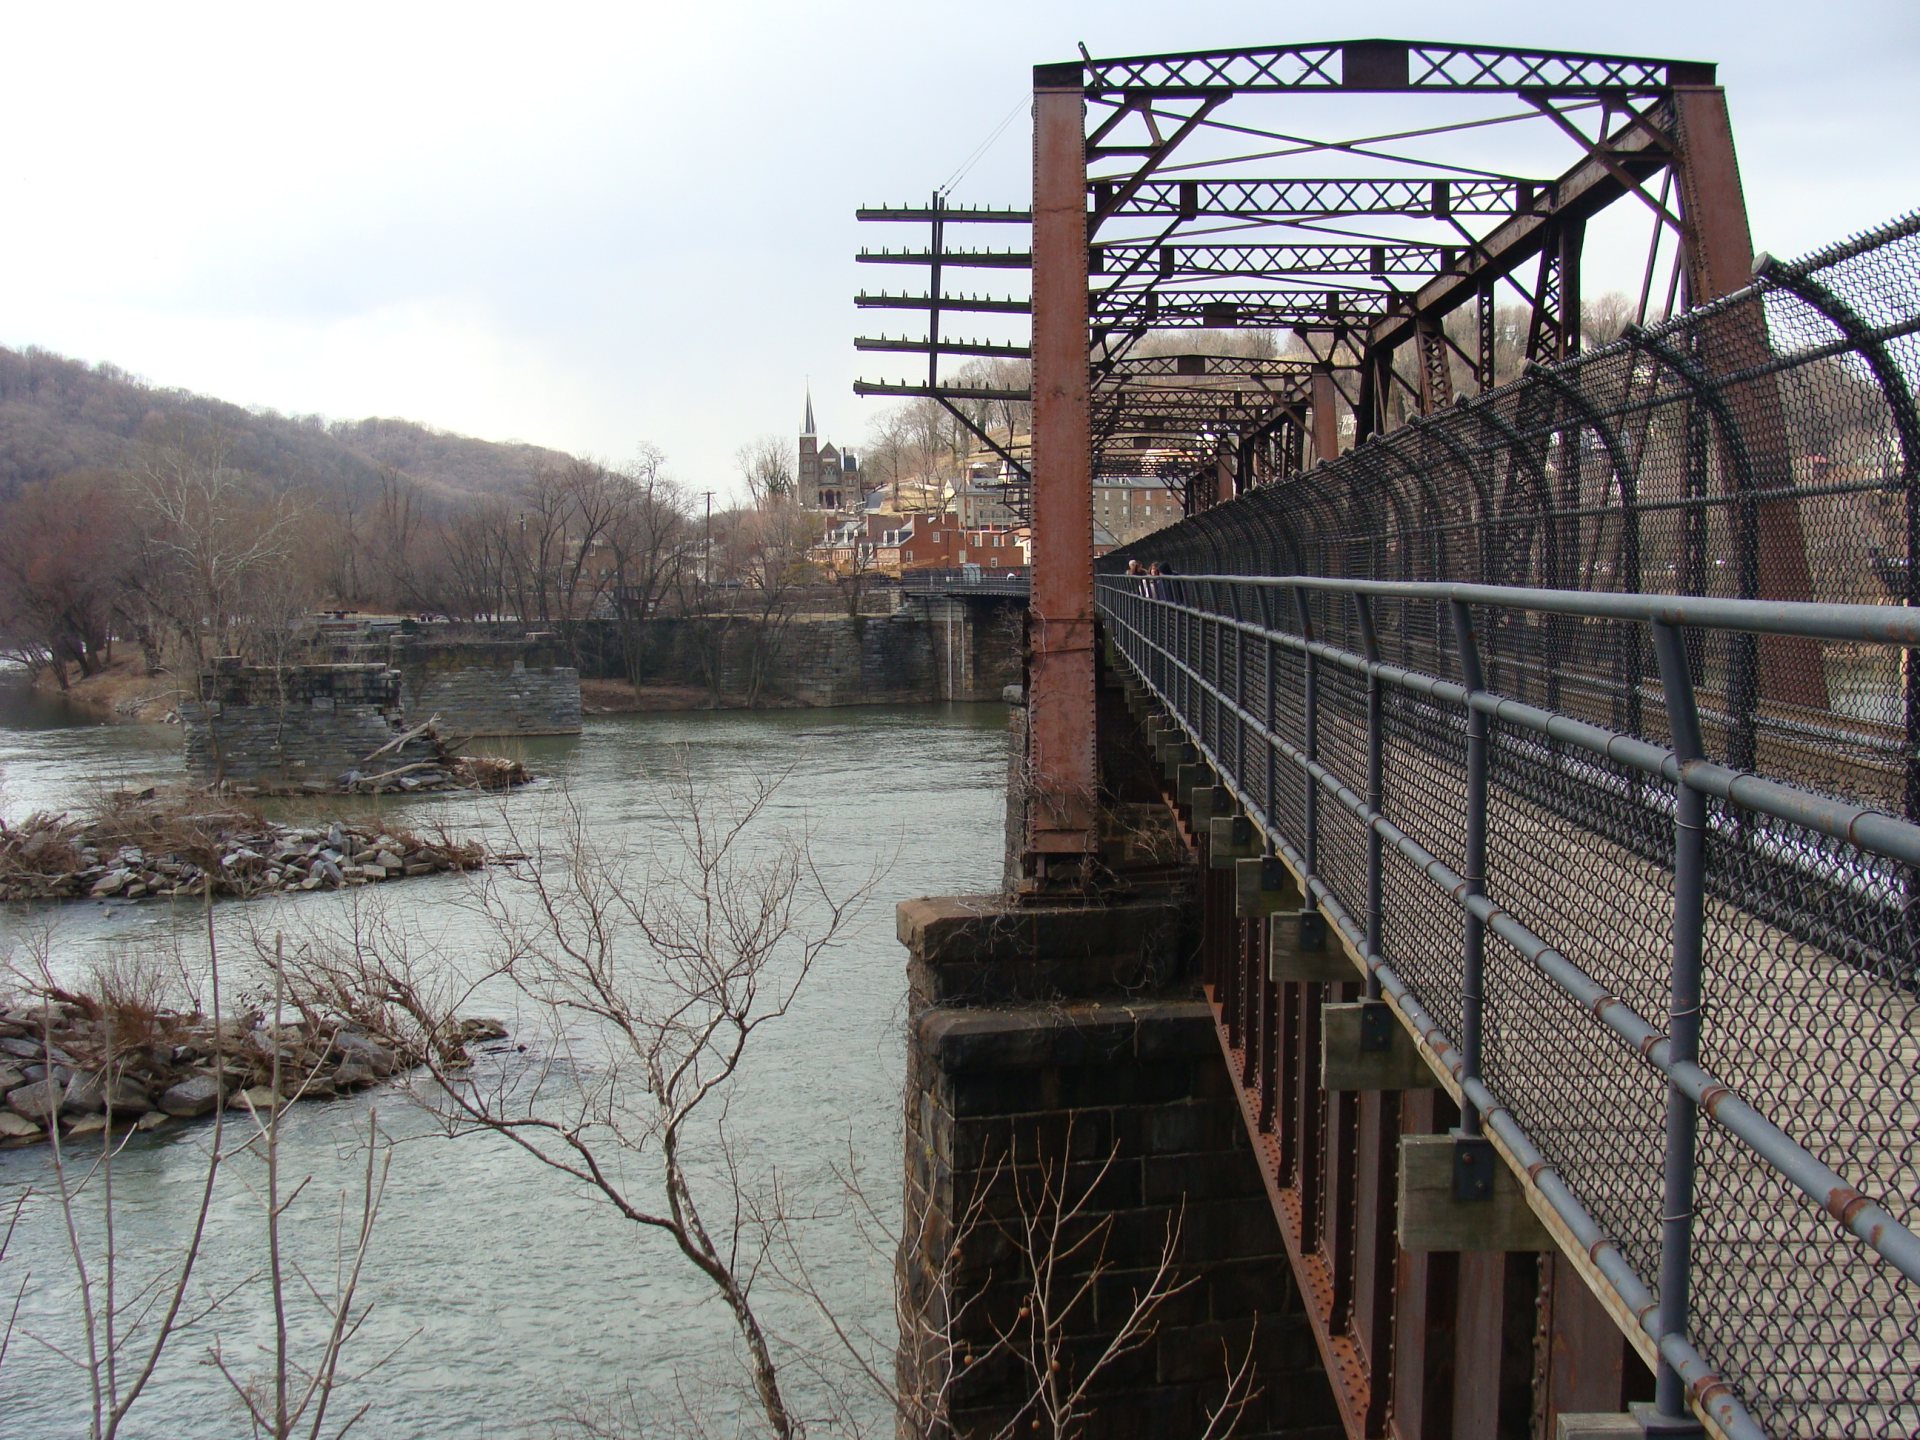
x=60 y=417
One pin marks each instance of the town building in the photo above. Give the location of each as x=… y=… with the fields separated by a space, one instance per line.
x=892 y=543
x=827 y=477
x=1130 y=506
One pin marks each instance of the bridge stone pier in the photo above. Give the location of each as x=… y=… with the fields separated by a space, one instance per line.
x=1083 y=1204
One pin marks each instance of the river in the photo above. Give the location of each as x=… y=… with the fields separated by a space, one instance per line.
x=502 y=1293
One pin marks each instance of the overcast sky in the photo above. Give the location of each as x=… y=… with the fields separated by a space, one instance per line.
x=592 y=226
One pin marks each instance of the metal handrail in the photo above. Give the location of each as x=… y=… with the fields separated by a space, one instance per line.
x=1170 y=631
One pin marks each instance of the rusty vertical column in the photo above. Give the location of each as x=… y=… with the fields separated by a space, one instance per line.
x=1770 y=540
x=1060 y=698
x=1326 y=415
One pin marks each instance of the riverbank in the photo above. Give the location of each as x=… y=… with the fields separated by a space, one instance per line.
x=124 y=693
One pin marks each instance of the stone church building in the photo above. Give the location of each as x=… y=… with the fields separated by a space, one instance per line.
x=828 y=478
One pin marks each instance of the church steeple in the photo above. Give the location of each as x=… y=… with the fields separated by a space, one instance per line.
x=807 y=429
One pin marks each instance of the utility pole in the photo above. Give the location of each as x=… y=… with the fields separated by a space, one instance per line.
x=706 y=558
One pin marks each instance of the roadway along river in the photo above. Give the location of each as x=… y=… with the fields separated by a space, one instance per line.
x=510 y=1294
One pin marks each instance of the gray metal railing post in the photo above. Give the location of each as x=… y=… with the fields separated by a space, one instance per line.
x=1309 y=742
x=1683 y=1013
x=1474 y=864
x=1376 y=789
x=1269 y=603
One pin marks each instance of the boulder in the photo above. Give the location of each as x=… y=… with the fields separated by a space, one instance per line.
x=369 y=1052
x=11 y=1078
x=16 y=1127
x=152 y=1120
x=196 y=1095
x=34 y=1048
x=39 y=1101
x=89 y=1093
x=112 y=883
x=258 y=1097
x=479 y=1027
x=87 y=1125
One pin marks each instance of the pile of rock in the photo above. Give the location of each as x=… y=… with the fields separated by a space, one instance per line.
x=50 y=857
x=59 y=1071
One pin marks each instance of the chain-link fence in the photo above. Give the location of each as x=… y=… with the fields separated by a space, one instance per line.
x=1692 y=855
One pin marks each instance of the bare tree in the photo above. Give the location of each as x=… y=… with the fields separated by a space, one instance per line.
x=60 y=549
x=207 y=535
x=766 y=464
x=888 y=456
x=648 y=540
x=768 y=554
x=126 y=1325
x=653 y=980
x=398 y=528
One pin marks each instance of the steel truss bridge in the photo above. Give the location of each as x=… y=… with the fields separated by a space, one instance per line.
x=1552 y=701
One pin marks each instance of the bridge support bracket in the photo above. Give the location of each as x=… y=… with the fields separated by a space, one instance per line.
x=1667 y=1427
x=1596 y=1426
x=1363 y=1046
x=1262 y=887
x=1192 y=781
x=1230 y=839
x=1175 y=752
x=1297 y=950
x=1456 y=1194
x=1215 y=802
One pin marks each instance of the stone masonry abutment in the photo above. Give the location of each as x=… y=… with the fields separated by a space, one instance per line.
x=1070 y=1126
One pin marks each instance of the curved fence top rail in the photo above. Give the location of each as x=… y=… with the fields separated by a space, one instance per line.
x=1764 y=446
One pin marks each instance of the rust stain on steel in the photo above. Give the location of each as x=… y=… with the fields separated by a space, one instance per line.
x=1710 y=1390
x=1348 y=1374
x=1061 y=694
x=1844 y=1202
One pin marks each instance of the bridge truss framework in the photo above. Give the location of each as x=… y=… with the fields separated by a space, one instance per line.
x=1165 y=219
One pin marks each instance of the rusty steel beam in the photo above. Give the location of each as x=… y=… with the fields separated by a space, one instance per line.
x=1061 y=772
x=1583 y=191
x=1389 y=66
x=1289 y=259
x=1238 y=309
x=1323 y=199
x=1149 y=367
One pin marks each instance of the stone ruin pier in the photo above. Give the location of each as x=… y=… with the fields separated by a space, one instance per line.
x=359 y=724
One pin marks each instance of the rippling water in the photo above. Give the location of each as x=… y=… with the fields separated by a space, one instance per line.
x=509 y=1292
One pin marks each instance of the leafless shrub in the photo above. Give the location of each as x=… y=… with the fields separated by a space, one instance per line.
x=651 y=976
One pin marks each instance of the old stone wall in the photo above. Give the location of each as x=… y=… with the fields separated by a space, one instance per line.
x=301 y=728
x=488 y=687
x=966 y=651
x=1067 y=1105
